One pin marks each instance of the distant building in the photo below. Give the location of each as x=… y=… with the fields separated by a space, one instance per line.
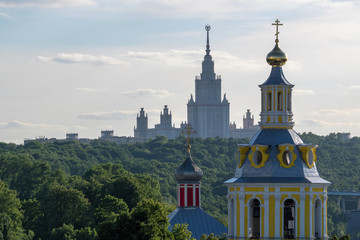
x=164 y=128
x=249 y=128
x=69 y=137
x=108 y=135
x=208 y=114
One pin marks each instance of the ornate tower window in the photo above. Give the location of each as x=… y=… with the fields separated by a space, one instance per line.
x=289 y=101
x=258 y=156
x=254 y=219
x=317 y=218
x=269 y=102
x=279 y=101
x=286 y=155
x=289 y=219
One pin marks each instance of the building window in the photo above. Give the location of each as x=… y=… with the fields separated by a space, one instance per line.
x=286 y=157
x=269 y=102
x=317 y=219
x=254 y=221
x=289 y=219
x=289 y=101
x=279 y=101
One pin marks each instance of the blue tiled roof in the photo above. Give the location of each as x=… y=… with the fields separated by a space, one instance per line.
x=199 y=222
x=276 y=77
x=272 y=172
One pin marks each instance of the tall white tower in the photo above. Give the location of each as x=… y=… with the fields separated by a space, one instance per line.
x=208 y=114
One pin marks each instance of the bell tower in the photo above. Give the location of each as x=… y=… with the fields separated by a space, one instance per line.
x=277 y=192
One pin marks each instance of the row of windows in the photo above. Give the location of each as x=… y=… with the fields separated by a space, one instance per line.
x=289 y=219
x=279 y=101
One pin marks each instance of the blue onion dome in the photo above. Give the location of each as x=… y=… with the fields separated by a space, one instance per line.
x=188 y=171
x=276 y=57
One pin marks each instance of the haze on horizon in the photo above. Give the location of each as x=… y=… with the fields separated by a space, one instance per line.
x=88 y=65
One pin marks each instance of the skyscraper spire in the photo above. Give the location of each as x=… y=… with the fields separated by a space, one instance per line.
x=207 y=28
x=208 y=72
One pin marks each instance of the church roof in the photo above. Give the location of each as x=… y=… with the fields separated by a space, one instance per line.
x=199 y=222
x=276 y=77
x=272 y=172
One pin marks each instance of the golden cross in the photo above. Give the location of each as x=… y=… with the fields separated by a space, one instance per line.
x=277 y=24
x=189 y=131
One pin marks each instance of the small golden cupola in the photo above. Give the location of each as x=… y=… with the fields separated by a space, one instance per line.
x=276 y=109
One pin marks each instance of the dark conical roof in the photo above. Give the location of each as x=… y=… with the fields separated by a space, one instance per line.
x=188 y=171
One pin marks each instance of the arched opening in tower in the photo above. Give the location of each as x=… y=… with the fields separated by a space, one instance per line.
x=317 y=219
x=289 y=219
x=254 y=227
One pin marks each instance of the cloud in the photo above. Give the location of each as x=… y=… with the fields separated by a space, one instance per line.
x=194 y=58
x=355 y=87
x=4 y=15
x=148 y=93
x=303 y=92
x=108 y=115
x=19 y=124
x=333 y=111
x=72 y=58
x=46 y=3
x=118 y=114
x=313 y=123
x=92 y=90
x=170 y=57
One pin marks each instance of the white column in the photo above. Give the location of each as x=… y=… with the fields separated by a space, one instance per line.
x=234 y=212
x=277 y=215
x=302 y=214
x=229 y=207
x=266 y=215
x=311 y=215
x=325 y=216
x=242 y=214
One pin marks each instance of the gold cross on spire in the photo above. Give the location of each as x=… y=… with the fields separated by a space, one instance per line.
x=277 y=24
x=188 y=132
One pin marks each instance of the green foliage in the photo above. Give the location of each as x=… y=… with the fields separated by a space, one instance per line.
x=99 y=185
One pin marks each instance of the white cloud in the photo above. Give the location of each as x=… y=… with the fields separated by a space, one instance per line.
x=148 y=93
x=118 y=114
x=303 y=92
x=194 y=58
x=19 y=124
x=71 y=58
x=355 y=87
x=338 y=112
x=92 y=90
x=4 y=15
x=46 y=3
x=171 y=57
x=314 y=123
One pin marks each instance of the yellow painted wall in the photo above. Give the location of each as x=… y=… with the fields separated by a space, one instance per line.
x=271 y=216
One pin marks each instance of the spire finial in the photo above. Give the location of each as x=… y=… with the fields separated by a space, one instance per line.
x=188 y=132
x=277 y=24
x=207 y=28
x=276 y=57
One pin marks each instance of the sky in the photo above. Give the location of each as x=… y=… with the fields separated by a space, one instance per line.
x=90 y=65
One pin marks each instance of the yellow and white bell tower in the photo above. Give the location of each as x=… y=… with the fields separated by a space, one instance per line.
x=277 y=192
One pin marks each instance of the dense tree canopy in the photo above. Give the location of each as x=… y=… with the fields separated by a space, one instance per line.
x=69 y=190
